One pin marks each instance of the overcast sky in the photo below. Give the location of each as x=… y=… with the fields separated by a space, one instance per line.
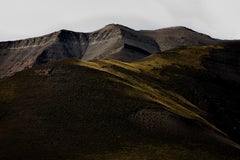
x=29 y=18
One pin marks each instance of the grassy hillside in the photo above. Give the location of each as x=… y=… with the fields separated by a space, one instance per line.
x=156 y=108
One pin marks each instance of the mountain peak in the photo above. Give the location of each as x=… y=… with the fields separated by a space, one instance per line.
x=115 y=41
x=64 y=31
x=179 y=27
x=114 y=26
x=67 y=34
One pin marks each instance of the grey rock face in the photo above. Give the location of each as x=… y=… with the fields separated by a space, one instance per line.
x=67 y=44
x=18 y=55
x=111 y=42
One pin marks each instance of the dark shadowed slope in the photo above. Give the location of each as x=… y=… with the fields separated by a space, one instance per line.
x=168 y=106
x=113 y=41
x=207 y=76
x=173 y=37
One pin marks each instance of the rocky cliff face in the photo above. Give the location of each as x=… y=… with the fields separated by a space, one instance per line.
x=17 y=55
x=111 y=42
x=67 y=44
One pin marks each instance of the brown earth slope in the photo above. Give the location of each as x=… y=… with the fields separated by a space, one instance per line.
x=170 y=38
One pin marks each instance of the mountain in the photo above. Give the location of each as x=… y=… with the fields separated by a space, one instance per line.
x=120 y=43
x=117 y=93
x=111 y=42
x=180 y=104
x=114 y=41
x=170 y=38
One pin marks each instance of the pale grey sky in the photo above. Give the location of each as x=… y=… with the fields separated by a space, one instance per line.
x=29 y=18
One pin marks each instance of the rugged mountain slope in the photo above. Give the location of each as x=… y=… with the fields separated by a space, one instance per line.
x=18 y=55
x=119 y=42
x=168 y=106
x=170 y=38
x=113 y=41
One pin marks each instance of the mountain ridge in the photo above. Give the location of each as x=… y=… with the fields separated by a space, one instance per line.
x=108 y=42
